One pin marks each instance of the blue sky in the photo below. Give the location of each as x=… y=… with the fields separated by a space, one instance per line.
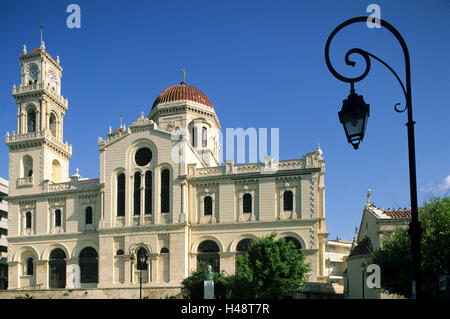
x=262 y=65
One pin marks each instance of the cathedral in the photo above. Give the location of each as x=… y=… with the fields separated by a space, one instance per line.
x=163 y=204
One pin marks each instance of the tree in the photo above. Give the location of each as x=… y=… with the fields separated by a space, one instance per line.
x=394 y=258
x=269 y=269
x=193 y=285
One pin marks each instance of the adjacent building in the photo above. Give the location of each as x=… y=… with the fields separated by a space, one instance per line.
x=375 y=224
x=161 y=184
x=3 y=234
x=336 y=253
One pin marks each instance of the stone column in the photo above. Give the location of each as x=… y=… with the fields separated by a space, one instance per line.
x=157 y=195
x=142 y=192
x=41 y=273
x=129 y=194
x=73 y=274
x=153 y=267
x=128 y=269
x=13 y=274
x=227 y=262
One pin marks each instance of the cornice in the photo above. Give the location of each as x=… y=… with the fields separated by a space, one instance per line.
x=272 y=224
x=40 y=53
x=155 y=228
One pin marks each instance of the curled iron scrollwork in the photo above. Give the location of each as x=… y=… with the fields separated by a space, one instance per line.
x=367 y=58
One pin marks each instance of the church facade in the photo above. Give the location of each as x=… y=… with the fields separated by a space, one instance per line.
x=163 y=204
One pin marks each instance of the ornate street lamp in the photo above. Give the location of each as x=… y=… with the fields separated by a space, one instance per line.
x=141 y=250
x=353 y=117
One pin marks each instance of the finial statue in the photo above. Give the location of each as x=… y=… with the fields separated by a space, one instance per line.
x=209 y=274
x=184 y=75
x=369 y=191
x=57 y=59
x=319 y=150
x=142 y=114
x=24 y=49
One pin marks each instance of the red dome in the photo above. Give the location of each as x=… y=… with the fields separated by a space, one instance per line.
x=182 y=92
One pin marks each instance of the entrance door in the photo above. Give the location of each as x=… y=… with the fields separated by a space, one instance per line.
x=57 y=267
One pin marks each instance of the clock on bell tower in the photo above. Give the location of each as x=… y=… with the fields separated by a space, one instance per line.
x=37 y=151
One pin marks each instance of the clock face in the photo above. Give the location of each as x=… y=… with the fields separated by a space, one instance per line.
x=51 y=78
x=33 y=73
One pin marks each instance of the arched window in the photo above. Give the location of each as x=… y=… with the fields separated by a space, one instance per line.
x=137 y=193
x=31 y=121
x=207 y=207
x=27 y=166
x=241 y=249
x=244 y=245
x=52 y=124
x=142 y=257
x=165 y=191
x=295 y=241
x=204 y=137
x=121 y=195
x=56 y=171
x=194 y=136
x=208 y=254
x=88 y=261
x=247 y=203
x=148 y=192
x=164 y=250
x=88 y=215
x=119 y=252
x=57 y=268
x=28 y=220
x=58 y=218
x=288 y=201
x=30 y=268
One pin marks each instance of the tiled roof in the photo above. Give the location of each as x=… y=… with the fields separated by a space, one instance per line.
x=180 y=92
x=119 y=130
x=401 y=213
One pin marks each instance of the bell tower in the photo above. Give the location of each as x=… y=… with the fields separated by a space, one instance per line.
x=37 y=151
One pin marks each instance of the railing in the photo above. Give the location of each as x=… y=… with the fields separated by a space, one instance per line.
x=208 y=171
x=73 y=185
x=59 y=186
x=38 y=135
x=28 y=88
x=30 y=287
x=251 y=168
x=40 y=86
x=25 y=181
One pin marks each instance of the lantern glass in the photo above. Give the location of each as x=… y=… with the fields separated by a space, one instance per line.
x=353 y=116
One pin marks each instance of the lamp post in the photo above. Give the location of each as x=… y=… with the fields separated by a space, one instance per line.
x=141 y=250
x=354 y=115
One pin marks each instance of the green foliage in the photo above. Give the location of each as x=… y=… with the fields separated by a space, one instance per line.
x=193 y=285
x=395 y=256
x=269 y=269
